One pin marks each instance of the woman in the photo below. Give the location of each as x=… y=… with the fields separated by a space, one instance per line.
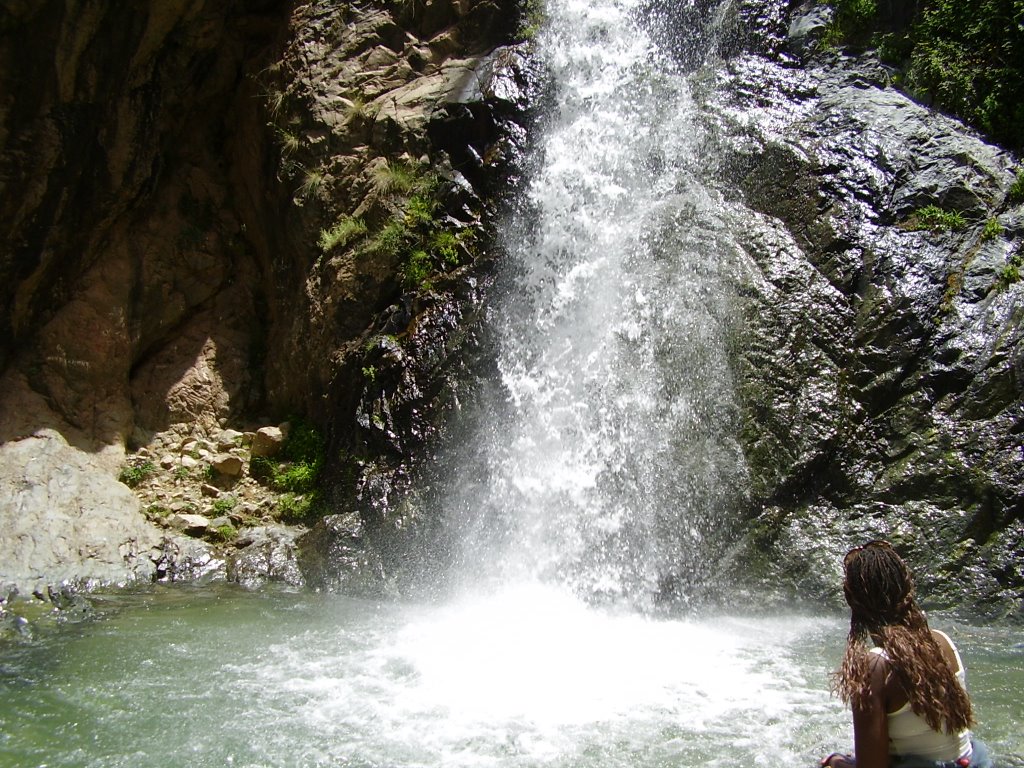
x=910 y=705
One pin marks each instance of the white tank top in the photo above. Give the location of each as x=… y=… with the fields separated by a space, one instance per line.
x=909 y=734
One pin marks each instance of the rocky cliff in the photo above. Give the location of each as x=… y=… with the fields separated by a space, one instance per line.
x=881 y=364
x=177 y=183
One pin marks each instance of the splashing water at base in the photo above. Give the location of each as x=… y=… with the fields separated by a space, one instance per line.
x=525 y=677
x=529 y=676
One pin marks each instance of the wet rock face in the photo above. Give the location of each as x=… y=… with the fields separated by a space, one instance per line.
x=881 y=373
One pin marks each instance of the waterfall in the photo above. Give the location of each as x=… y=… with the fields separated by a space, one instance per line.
x=607 y=459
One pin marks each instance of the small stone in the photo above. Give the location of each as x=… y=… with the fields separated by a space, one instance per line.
x=190 y=524
x=167 y=461
x=189 y=463
x=209 y=490
x=268 y=441
x=226 y=464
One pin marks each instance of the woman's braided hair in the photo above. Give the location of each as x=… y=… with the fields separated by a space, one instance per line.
x=880 y=591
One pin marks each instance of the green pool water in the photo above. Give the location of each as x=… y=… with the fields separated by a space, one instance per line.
x=527 y=676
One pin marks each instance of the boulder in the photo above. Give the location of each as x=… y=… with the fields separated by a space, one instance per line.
x=265 y=554
x=227 y=464
x=267 y=441
x=192 y=524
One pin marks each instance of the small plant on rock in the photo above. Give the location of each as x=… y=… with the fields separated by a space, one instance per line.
x=342 y=233
x=935 y=219
x=312 y=182
x=224 y=504
x=1016 y=194
x=1011 y=273
x=993 y=229
x=134 y=474
x=222 y=534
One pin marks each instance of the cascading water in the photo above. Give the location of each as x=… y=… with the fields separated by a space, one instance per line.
x=609 y=461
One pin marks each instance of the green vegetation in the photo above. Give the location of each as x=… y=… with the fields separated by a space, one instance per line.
x=531 y=19
x=181 y=472
x=224 y=504
x=852 y=19
x=312 y=182
x=1017 y=188
x=398 y=177
x=1012 y=271
x=963 y=56
x=223 y=534
x=414 y=235
x=993 y=229
x=428 y=245
x=292 y=508
x=968 y=56
x=288 y=139
x=357 y=109
x=156 y=512
x=370 y=373
x=934 y=219
x=134 y=474
x=345 y=230
x=296 y=475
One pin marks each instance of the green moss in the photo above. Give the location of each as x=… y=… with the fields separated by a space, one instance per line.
x=134 y=474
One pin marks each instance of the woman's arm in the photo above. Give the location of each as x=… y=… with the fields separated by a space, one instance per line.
x=870 y=721
x=870 y=726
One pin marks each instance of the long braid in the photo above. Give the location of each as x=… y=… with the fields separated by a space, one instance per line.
x=880 y=591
